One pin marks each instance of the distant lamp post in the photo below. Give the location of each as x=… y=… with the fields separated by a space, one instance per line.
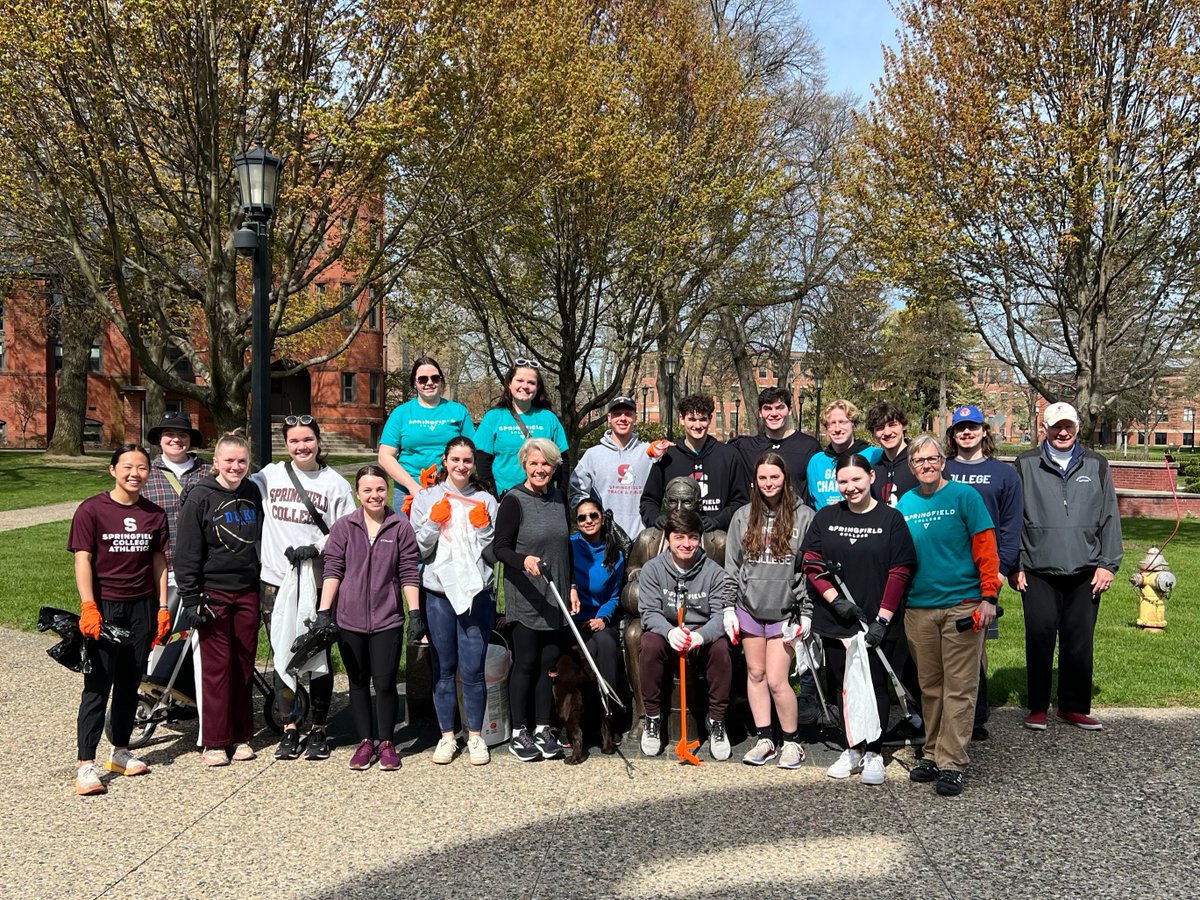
x=671 y=367
x=818 y=381
x=800 y=409
x=737 y=405
x=257 y=172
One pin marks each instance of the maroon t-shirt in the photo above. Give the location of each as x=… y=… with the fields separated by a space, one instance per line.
x=122 y=540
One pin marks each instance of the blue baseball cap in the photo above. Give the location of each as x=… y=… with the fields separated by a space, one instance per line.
x=966 y=414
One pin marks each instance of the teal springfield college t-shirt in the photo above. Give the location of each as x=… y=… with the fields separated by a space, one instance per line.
x=942 y=527
x=500 y=435
x=420 y=433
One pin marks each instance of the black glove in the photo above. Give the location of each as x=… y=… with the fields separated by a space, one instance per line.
x=197 y=610
x=875 y=632
x=416 y=626
x=299 y=554
x=710 y=524
x=846 y=610
x=324 y=620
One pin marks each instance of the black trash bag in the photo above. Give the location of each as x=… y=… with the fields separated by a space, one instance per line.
x=309 y=644
x=60 y=621
x=115 y=634
x=70 y=652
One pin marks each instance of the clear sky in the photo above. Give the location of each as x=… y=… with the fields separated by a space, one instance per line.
x=849 y=34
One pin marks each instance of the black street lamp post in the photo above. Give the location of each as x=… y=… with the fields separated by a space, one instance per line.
x=671 y=366
x=817 y=382
x=258 y=180
x=645 y=391
x=737 y=405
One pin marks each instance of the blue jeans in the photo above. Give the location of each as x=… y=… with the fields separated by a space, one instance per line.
x=459 y=644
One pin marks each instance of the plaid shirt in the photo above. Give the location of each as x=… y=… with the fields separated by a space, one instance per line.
x=158 y=490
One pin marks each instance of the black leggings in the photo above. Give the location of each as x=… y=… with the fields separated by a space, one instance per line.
x=115 y=670
x=835 y=669
x=535 y=654
x=372 y=658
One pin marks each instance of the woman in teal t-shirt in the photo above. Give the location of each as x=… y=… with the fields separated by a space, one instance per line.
x=523 y=402
x=418 y=430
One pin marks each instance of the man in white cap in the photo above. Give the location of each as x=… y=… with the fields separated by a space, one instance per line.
x=614 y=472
x=1070 y=550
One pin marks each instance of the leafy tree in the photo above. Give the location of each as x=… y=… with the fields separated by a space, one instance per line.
x=1040 y=160
x=118 y=123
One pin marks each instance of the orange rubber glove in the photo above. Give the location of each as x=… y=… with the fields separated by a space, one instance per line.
x=428 y=476
x=478 y=515
x=440 y=511
x=164 y=625
x=406 y=506
x=658 y=448
x=89 y=620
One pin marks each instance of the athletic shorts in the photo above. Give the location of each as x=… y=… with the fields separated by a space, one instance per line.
x=756 y=627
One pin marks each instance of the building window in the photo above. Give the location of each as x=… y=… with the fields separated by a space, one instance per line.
x=1162 y=414
x=320 y=290
x=94 y=358
x=176 y=361
x=1160 y=438
x=1187 y=439
x=1189 y=414
x=374 y=388
x=170 y=405
x=372 y=316
x=348 y=391
x=762 y=371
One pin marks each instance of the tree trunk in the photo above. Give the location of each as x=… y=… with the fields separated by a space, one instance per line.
x=70 y=405
x=156 y=397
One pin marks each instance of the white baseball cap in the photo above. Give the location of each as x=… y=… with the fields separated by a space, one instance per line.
x=1059 y=412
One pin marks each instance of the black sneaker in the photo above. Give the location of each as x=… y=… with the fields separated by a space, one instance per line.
x=547 y=743
x=949 y=783
x=317 y=746
x=924 y=771
x=289 y=746
x=980 y=733
x=523 y=748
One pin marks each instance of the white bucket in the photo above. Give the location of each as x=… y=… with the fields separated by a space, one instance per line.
x=497 y=721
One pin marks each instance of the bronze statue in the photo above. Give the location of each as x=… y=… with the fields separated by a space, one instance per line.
x=681 y=493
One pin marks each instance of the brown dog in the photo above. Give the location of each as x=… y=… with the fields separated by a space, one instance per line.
x=572 y=676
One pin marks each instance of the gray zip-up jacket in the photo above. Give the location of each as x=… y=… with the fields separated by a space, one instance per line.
x=661 y=587
x=1071 y=519
x=766 y=587
x=428 y=531
x=614 y=476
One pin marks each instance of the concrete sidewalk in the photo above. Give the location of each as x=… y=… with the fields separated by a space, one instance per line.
x=37 y=515
x=1058 y=814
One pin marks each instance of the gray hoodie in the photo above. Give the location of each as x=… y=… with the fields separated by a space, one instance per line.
x=661 y=586
x=614 y=477
x=428 y=531
x=766 y=588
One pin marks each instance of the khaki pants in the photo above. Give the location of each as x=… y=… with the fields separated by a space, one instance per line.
x=948 y=669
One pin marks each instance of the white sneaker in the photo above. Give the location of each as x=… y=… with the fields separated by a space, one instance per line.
x=125 y=763
x=872 y=768
x=443 y=753
x=477 y=751
x=87 y=780
x=849 y=763
x=652 y=736
x=791 y=756
x=718 y=741
x=761 y=753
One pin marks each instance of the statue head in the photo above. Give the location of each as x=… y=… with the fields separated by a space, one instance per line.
x=682 y=493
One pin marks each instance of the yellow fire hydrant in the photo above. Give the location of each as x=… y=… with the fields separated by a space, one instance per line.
x=1154 y=581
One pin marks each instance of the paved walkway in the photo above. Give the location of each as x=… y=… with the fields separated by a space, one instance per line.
x=37 y=515
x=1059 y=814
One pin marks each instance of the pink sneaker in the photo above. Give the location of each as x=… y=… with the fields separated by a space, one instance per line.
x=1036 y=721
x=363 y=756
x=388 y=758
x=1079 y=720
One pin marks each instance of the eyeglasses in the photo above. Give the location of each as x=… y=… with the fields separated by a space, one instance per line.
x=299 y=420
x=522 y=363
x=969 y=426
x=429 y=379
x=926 y=460
x=587 y=517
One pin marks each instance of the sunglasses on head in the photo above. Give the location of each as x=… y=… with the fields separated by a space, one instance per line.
x=299 y=420
x=522 y=363
x=429 y=379
x=587 y=517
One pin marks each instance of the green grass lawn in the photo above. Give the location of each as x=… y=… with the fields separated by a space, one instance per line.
x=1133 y=668
x=31 y=479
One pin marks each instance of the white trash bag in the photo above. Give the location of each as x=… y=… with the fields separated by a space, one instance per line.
x=456 y=562
x=860 y=715
x=295 y=602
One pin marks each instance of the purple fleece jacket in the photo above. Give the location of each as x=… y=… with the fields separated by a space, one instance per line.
x=369 y=598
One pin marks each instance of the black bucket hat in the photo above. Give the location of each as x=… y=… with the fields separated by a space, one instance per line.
x=180 y=421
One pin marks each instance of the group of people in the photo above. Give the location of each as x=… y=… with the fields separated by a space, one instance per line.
x=862 y=560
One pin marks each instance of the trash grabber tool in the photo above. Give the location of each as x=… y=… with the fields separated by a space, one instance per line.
x=684 y=749
x=902 y=693
x=826 y=718
x=606 y=690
